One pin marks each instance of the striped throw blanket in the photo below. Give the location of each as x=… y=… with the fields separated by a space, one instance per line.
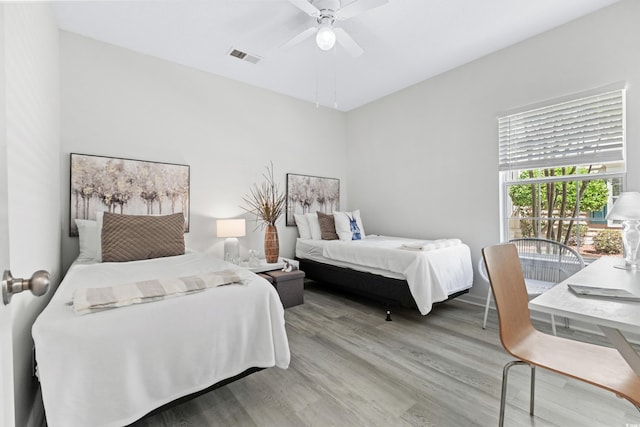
x=90 y=300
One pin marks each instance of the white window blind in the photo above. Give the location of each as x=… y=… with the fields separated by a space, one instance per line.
x=589 y=130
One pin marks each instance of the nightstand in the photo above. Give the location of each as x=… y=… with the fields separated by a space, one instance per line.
x=264 y=266
x=290 y=286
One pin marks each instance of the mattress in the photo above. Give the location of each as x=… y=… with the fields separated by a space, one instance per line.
x=432 y=275
x=112 y=367
x=313 y=250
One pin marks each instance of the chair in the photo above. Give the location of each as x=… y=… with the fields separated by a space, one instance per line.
x=545 y=263
x=600 y=366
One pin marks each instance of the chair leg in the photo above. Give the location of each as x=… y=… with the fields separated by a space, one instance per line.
x=553 y=325
x=486 y=309
x=533 y=390
x=503 y=395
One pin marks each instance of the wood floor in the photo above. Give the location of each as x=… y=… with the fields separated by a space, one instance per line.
x=351 y=368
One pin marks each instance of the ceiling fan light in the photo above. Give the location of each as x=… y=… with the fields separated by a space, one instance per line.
x=325 y=38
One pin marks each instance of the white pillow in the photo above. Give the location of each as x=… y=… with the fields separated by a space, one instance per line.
x=343 y=224
x=303 y=226
x=88 y=239
x=99 y=218
x=344 y=235
x=356 y=215
x=314 y=226
x=343 y=229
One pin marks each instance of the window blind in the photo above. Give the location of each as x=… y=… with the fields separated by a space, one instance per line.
x=589 y=130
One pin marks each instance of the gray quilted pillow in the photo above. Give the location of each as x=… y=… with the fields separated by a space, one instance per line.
x=327 y=226
x=136 y=237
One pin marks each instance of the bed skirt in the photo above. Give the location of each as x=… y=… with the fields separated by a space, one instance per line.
x=385 y=290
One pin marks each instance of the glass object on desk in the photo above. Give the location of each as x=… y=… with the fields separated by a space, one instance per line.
x=627 y=210
x=631 y=242
x=254 y=261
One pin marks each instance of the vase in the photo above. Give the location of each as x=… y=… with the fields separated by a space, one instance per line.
x=271 y=244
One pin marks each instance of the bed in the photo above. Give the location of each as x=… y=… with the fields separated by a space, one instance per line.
x=378 y=267
x=111 y=367
x=334 y=249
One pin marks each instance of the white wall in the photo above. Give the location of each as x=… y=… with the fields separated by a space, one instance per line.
x=119 y=103
x=31 y=71
x=424 y=161
x=421 y=162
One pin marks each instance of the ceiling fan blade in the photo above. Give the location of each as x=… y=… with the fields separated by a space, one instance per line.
x=307 y=7
x=300 y=37
x=347 y=42
x=358 y=7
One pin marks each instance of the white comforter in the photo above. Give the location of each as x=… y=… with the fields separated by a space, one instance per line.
x=431 y=274
x=112 y=367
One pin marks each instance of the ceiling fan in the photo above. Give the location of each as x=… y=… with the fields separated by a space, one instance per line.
x=326 y=13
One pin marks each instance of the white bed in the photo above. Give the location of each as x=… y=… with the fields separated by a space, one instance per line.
x=439 y=270
x=112 y=367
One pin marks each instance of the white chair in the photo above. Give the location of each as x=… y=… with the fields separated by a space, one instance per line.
x=544 y=263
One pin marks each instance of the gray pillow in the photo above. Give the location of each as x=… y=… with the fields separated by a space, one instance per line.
x=327 y=226
x=137 y=237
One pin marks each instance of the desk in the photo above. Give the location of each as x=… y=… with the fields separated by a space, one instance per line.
x=611 y=316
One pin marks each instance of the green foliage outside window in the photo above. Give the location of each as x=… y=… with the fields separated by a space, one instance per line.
x=556 y=201
x=581 y=229
x=608 y=242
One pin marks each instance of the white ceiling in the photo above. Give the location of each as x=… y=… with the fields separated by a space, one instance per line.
x=405 y=41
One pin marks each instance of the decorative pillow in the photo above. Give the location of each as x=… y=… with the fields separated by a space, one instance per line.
x=314 y=226
x=88 y=239
x=137 y=237
x=303 y=226
x=327 y=226
x=349 y=225
x=99 y=218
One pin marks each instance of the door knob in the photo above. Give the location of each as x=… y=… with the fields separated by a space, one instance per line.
x=38 y=284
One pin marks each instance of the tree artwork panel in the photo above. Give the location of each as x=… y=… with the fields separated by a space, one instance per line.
x=308 y=194
x=124 y=186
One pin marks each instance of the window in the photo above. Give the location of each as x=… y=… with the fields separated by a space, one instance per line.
x=562 y=165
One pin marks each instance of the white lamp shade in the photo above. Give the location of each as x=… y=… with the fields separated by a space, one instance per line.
x=231 y=227
x=326 y=37
x=627 y=207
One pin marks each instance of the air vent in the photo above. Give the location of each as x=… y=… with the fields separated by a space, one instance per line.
x=244 y=56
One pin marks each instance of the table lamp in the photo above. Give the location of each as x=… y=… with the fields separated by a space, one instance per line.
x=627 y=210
x=231 y=229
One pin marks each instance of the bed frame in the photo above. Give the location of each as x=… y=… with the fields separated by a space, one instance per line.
x=198 y=393
x=385 y=290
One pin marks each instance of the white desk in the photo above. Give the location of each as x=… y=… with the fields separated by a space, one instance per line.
x=612 y=316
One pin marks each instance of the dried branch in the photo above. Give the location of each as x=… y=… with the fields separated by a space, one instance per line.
x=266 y=201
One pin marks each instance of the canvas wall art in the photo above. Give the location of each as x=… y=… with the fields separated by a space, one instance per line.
x=307 y=194
x=125 y=186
